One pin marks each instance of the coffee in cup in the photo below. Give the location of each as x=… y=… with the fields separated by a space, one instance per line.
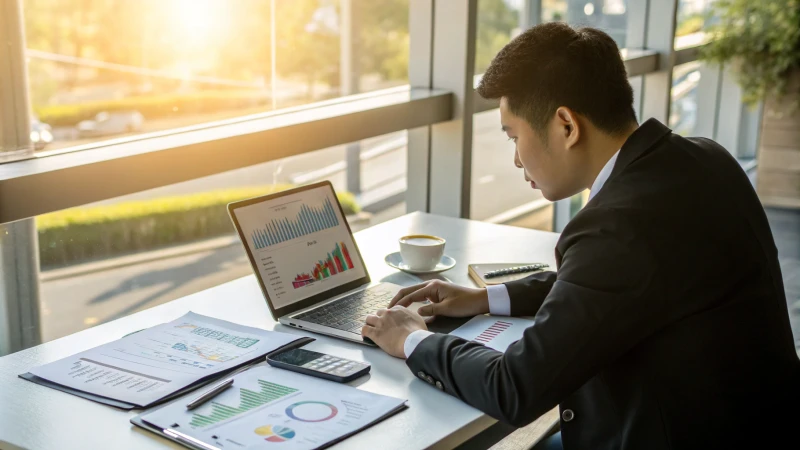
x=421 y=251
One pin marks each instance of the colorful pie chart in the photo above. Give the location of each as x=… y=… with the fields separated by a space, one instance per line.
x=275 y=433
x=311 y=411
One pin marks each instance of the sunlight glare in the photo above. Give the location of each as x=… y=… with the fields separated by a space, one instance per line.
x=198 y=19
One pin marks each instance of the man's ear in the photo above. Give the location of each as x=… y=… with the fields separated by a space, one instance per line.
x=569 y=126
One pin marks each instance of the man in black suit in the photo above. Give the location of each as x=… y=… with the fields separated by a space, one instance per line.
x=665 y=325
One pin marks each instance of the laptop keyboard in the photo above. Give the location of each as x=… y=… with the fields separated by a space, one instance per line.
x=348 y=313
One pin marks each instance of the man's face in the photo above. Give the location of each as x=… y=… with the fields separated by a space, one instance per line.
x=547 y=164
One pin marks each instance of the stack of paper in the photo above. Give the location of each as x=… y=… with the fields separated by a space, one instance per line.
x=151 y=365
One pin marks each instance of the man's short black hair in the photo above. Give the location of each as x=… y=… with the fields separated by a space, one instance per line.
x=553 y=65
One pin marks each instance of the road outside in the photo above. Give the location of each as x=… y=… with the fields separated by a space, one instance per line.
x=70 y=304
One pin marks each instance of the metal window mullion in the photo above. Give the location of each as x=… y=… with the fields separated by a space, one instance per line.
x=659 y=35
x=349 y=76
x=530 y=14
x=750 y=131
x=420 y=74
x=454 y=42
x=737 y=125
x=443 y=55
x=708 y=100
x=19 y=252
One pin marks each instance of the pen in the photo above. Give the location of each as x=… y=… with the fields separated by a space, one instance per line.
x=211 y=393
x=518 y=269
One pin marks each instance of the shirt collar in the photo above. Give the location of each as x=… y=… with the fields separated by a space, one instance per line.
x=602 y=177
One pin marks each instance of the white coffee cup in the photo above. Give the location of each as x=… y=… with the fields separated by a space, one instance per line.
x=421 y=251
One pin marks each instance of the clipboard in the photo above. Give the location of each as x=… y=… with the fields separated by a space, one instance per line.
x=200 y=383
x=175 y=435
x=195 y=444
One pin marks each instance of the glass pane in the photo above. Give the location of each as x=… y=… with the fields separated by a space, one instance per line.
x=498 y=23
x=102 y=69
x=693 y=17
x=500 y=193
x=610 y=16
x=683 y=112
x=109 y=259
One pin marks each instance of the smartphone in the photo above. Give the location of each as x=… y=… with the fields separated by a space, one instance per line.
x=319 y=365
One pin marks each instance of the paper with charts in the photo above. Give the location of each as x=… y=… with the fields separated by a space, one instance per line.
x=497 y=332
x=151 y=364
x=271 y=408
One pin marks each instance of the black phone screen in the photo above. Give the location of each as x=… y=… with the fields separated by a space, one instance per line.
x=296 y=357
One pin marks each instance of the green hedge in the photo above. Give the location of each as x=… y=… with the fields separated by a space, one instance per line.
x=80 y=234
x=153 y=106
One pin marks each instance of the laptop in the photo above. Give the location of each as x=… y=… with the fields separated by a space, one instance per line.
x=307 y=263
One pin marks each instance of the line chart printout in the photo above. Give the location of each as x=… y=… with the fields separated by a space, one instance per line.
x=268 y=406
x=497 y=332
x=144 y=367
x=300 y=245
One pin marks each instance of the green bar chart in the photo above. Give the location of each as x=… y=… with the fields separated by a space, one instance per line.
x=248 y=399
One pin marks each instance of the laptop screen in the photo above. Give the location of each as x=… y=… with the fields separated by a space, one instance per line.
x=300 y=244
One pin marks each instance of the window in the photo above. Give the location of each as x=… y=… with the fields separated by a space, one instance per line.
x=608 y=15
x=106 y=260
x=500 y=193
x=101 y=69
x=498 y=23
x=693 y=17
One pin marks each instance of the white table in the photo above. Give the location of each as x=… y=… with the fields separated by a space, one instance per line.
x=35 y=417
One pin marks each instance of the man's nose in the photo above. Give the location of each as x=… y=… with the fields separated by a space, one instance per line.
x=517 y=162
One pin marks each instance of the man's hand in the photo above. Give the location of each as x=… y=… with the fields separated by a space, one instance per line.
x=447 y=299
x=389 y=328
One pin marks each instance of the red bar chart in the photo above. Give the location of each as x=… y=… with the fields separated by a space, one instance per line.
x=492 y=331
x=337 y=261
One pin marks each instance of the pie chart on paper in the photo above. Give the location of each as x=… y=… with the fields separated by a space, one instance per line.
x=275 y=433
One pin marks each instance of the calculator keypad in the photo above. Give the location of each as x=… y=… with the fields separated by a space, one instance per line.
x=333 y=365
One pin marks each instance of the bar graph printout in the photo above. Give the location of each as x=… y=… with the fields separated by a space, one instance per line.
x=268 y=406
x=151 y=364
x=300 y=244
x=497 y=332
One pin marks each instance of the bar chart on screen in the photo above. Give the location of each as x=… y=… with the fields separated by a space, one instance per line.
x=307 y=220
x=337 y=261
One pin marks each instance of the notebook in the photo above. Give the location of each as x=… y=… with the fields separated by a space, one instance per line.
x=477 y=273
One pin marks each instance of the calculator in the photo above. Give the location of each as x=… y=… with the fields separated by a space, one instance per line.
x=319 y=365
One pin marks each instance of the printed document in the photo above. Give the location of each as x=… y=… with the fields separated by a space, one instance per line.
x=268 y=406
x=146 y=366
x=497 y=332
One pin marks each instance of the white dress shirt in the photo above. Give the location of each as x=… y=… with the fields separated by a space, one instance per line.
x=499 y=301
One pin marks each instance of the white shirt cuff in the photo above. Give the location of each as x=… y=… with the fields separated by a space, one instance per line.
x=499 y=301
x=413 y=340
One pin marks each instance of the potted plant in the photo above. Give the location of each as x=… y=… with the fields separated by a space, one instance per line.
x=760 y=42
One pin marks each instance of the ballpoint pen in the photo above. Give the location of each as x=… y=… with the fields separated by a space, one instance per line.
x=211 y=393
x=518 y=269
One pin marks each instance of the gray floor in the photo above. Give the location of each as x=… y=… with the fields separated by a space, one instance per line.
x=785 y=225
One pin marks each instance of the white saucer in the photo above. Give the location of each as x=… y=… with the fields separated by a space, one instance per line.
x=396 y=261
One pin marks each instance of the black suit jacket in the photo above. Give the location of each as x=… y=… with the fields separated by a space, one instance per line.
x=666 y=324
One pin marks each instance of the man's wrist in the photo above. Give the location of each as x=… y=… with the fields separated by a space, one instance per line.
x=485 y=306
